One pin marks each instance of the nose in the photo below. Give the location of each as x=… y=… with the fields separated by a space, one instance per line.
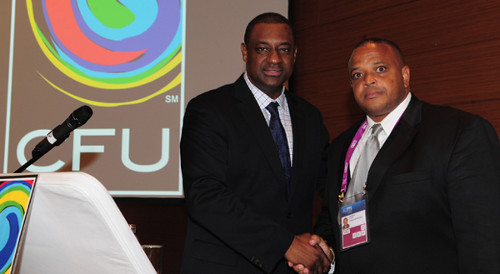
x=274 y=57
x=369 y=79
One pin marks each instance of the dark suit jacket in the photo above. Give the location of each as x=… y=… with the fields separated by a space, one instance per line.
x=239 y=218
x=433 y=196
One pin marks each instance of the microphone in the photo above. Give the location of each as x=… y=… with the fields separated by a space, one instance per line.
x=62 y=131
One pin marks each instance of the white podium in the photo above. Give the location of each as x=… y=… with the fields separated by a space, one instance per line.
x=74 y=226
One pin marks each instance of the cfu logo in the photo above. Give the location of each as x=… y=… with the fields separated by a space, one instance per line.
x=112 y=47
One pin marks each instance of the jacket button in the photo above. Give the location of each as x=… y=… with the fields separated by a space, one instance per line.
x=257 y=262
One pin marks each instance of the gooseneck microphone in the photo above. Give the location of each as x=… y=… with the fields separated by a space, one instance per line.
x=59 y=134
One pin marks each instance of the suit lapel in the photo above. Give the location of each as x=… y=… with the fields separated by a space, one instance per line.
x=299 y=131
x=252 y=116
x=397 y=142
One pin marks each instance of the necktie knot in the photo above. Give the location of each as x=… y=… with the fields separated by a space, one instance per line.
x=273 y=108
x=376 y=129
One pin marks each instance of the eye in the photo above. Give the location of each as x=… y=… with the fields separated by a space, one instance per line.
x=356 y=75
x=381 y=69
x=262 y=50
x=284 y=50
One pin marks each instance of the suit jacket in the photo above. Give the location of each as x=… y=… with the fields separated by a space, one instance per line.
x=433 y=196
x=239 y=218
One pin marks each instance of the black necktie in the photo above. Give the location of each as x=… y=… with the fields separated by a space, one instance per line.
x=279 y=137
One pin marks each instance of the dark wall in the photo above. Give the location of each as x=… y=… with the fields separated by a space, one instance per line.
x=452 y=48
x=158 y=221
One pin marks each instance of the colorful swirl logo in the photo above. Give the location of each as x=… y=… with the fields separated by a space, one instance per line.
x=14 y=197
x=110 y=45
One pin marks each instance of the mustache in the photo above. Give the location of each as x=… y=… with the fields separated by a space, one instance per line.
x=372 y=89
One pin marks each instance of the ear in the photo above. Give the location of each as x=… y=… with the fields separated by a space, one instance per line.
x=295 y=54
x=244 y=52
x=405 y=71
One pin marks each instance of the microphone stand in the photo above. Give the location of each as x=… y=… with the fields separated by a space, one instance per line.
x=31 y=161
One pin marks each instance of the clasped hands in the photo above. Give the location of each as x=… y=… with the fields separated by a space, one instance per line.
x=309 y=254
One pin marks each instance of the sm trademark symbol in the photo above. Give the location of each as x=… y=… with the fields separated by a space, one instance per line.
x=171 y=99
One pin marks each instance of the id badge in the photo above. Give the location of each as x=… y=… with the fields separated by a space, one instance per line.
x=353 y=222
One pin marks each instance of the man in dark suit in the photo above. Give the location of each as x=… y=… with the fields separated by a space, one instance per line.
x=249 y=211
x=433 y=190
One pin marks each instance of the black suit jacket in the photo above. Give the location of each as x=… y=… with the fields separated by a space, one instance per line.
x=239 y=218
x=433 y=196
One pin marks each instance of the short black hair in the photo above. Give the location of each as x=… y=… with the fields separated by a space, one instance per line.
x=376 y=40
x=267 y=18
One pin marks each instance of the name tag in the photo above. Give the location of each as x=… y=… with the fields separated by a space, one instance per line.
x=353 y=224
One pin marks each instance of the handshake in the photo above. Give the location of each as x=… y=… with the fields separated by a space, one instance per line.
x=309 y=254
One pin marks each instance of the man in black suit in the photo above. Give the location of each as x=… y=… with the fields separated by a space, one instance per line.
x=432 y=192
x=249 y=212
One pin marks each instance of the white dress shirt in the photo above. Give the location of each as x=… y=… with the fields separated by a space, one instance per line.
x=263 y=100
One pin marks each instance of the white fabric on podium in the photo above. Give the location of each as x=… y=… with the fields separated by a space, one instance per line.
x=75 y=227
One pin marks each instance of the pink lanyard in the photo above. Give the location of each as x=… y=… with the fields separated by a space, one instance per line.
x=350 y=151
x=348 y=156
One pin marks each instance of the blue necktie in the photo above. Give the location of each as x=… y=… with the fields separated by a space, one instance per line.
x=280 y=141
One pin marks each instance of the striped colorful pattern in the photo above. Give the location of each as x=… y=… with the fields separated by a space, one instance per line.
x=109 y=44
x=14 y=199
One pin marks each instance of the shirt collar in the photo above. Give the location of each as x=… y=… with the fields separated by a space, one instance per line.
x=393 y=117
x=263 y=99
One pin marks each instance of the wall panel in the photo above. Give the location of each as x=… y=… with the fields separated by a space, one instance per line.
x=450 y=46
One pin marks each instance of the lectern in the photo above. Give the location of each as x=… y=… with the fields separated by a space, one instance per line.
x=74 y=226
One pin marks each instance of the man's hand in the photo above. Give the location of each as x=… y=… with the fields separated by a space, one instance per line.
x=307 y=253
x=315 y=241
